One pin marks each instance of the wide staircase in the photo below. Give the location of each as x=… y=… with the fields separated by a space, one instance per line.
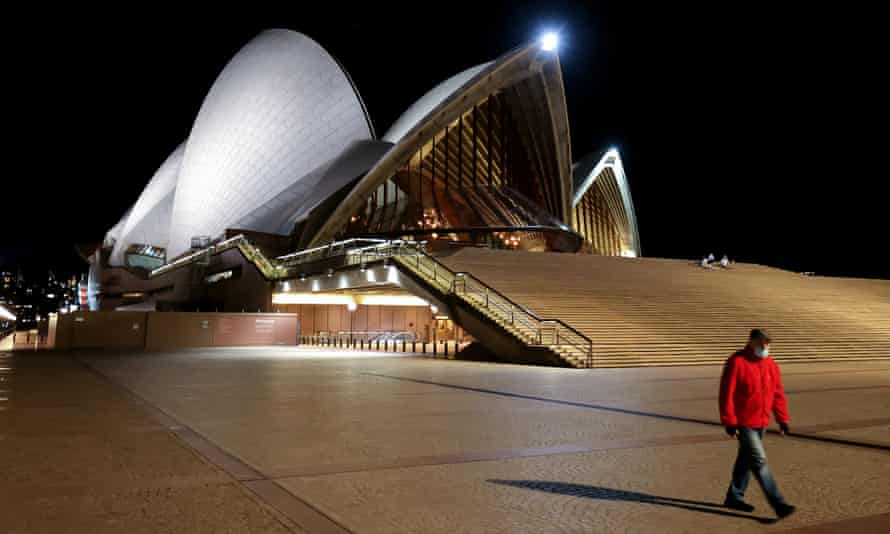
x=644 y=311
x=544 y=340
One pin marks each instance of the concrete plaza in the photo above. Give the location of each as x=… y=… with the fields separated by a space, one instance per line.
x=287 y=439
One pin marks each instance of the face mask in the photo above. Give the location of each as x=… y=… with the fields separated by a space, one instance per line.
x=761 y=352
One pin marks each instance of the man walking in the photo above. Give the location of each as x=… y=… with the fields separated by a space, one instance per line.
x=751 y=389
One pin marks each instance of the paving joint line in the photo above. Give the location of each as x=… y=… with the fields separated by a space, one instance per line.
x=494 y=455
x=628 y=411
x=868 y=523
x=787 y=392
x=805 y=373
x=266 y=489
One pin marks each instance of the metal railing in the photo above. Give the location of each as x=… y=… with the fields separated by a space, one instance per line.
x=531 y=329
x=525 y=324
x=216 y=248
x=336 y=248
x=251 y=252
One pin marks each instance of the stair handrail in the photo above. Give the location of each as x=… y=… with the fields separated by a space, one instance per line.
x=509 y=307
x=226 y=244
x=324 y=251
x=575 y=338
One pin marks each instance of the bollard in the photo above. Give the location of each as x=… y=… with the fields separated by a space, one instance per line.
x=413 y=345
x=445 y=352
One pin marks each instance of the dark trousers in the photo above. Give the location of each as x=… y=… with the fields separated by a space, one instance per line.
x=752 y=459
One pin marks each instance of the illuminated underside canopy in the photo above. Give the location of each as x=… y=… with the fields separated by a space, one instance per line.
x=282 y=213
x=485 y=152
x=149 y=221
x=281 y=108
x=604 y=211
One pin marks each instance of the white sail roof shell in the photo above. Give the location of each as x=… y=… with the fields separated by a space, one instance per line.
x=149 y=220
x=428 y=102
x=280 y=108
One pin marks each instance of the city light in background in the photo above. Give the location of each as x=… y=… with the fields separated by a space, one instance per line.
x=4 y=314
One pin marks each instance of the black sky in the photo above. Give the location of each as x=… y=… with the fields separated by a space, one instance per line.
x=749 y=129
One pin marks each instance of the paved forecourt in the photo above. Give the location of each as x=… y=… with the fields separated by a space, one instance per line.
x=329 y=442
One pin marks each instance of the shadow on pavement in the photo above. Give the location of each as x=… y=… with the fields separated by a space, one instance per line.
x=628 y=411
x=609 y=494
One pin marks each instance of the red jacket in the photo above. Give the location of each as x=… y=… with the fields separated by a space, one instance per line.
x=750 y=389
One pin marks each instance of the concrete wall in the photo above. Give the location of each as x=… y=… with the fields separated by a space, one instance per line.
x=181 y=329
x=101 y=329
x=249 y=291
x=184 y=288
x=170 y=330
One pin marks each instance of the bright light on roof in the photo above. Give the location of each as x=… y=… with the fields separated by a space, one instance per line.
x=549 y=41
x=391 y=300
x=347 y=299
x=311 y=298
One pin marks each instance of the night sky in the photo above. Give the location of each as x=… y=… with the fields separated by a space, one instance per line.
x=745 y=128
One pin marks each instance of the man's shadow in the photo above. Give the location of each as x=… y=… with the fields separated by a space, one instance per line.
x=596 y=492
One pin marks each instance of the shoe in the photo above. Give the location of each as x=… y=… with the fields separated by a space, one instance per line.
x=784 y=510
x=736 y=504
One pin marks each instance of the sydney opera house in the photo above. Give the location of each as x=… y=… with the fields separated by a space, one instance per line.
x=283 y=152
x=467 y=220
x=283 y=160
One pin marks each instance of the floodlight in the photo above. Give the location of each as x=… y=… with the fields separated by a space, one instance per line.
x=549 y=41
